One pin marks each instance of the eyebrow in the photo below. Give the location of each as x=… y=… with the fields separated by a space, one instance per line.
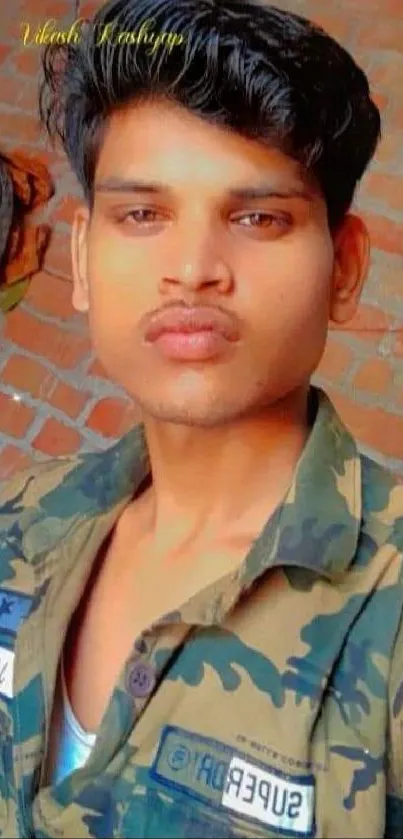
x=115 y=184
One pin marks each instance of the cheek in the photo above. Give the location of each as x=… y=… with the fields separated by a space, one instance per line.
x=119 y=278
x=290 y=286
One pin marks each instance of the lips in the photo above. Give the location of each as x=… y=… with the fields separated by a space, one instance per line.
x=187 y=321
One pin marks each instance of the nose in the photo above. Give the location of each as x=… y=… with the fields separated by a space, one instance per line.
x=201 y=262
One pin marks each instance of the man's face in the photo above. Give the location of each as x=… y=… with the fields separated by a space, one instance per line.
x=266 y=261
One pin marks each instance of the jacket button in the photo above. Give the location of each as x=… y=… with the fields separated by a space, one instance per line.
x=140 y=679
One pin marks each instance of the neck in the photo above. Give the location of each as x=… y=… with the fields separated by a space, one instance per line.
x=222 y=482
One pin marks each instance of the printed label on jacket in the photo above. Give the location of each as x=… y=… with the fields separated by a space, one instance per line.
x=233 y=782
x=6 y=672
x=263 y=795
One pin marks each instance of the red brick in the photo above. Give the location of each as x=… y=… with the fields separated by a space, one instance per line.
x=20 y=127
x=380 y=9
x=97 y=369
x=28 y=375
x=66 y=209
x=10 y=30
x=380 y=100
x=68 y=399
x=25 y=374
x=362 y=58
x=386 y=188
x=41 y=10
x=113 y=417
x=384 y=233
x=5 y=51
x=11 y=90
x=388 y=74
x=56 y=439
x=336 y=360
x=63 y=348
x=15 y=417
x=389 y=149
x=29 y=98
x=389 y=279
x=398 y=397
x=373 y=427
x=366 y=338
x=374 y=375
x=398 y=344
x=13 y=460
x=368 y=320
x=58 y=255
x=338 y=26
x=27 y=61
x=89 y=7
x=383 y=36
x=51 y=295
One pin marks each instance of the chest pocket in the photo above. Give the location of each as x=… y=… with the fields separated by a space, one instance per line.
x=197 y=786
x=153 y=813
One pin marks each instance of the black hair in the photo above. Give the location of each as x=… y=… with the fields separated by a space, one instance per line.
x=265 y=73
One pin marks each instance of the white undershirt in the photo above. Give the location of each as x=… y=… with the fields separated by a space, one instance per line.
x=70 y=744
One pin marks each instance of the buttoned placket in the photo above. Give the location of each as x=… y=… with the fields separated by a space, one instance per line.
x=142 y=675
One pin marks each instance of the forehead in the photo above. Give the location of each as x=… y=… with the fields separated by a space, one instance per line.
x=167 y=143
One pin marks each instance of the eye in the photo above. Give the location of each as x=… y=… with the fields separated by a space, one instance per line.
x=141 y=216
x=260 y=220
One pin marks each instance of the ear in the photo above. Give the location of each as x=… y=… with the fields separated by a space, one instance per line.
x=351 y=263
x=79 y=246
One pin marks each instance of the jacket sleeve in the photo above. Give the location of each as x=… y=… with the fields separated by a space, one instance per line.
x=394 y=757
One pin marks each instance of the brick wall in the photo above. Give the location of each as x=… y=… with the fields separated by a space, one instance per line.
x=55 y=398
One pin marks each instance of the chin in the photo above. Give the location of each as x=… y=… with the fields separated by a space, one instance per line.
x=200 y=414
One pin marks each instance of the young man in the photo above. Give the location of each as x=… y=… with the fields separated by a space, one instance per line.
x=201 y=627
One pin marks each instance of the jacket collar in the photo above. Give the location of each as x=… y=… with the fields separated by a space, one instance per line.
x=316 y=527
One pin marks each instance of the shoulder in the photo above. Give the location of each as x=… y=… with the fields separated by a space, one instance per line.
x=378 y=557
x=27 y=487
x=35 y=506
x=382 y=500
x=376 y=476
x=28 y=522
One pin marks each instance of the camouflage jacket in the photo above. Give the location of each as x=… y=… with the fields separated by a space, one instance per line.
x=269 y=704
